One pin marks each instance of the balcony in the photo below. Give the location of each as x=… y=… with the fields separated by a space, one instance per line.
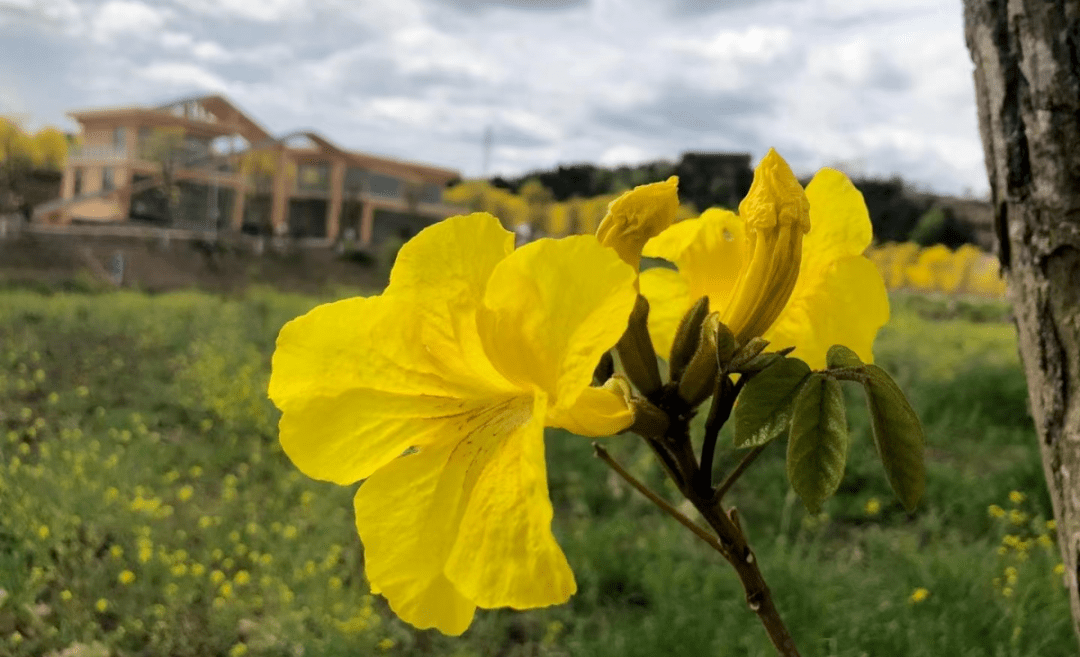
x=108 y=154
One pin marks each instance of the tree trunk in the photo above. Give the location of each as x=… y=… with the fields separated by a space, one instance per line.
x=1027 y=85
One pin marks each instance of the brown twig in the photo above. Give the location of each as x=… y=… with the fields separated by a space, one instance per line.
x=660 y=502
x=730 y=480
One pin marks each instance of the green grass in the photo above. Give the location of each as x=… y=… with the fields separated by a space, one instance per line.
x=135 y=435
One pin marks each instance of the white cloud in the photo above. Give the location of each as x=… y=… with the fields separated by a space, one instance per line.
x=178 y=75
x=263 y=11
x=118 y=18
x=623 y=154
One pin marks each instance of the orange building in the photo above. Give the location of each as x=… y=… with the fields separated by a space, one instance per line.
x=229 y=173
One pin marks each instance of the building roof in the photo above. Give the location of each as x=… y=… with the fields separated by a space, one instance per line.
x=216 y=114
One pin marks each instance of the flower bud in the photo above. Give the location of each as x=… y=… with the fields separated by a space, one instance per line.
x=686 y=338
x=699 y=380
x=777 y=215
x=636 y=351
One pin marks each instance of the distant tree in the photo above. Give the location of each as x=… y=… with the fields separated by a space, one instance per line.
x=939 y=225
x=17 y=158
x=894 y=212
x=539 y=200
x=51 y=148
x=165 y=147
x=1027 y=77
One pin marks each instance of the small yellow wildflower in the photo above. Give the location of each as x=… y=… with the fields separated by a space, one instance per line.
x=226 y=590
x=179 y=570
x=43 y=532
x=15 y=637
x=1016 y=497
x=1045 y=540
x=289 y=532
x=1007 y=592
x=82 y=391
x=873 y=506
x=172 y=589
x=242 y=577
x=238 y=650
x=205 y=522
x=1051 y=525
x=116 y=551
x=1017 y=517
x=65 y=595
x=101 y=605
x=195 y=471
x=996 y=511
x=185 y=493
x=217 y=577
x=918 y=595
x=334 y=583
x=126 y=577
x=1059 y=569
x=386 y=644
x=1011 y=575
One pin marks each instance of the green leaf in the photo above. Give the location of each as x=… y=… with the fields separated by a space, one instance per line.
x=764 y=408
x=818 y=446
x=898 y=435
x=841 y=356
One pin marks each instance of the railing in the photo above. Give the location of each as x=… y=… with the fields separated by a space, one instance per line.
x=98 y=153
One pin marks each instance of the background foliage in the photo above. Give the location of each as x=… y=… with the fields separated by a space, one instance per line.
x=149 y=510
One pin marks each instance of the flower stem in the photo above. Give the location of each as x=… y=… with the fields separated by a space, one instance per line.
x=730 y=480
x=660 y=502
x=732 y=541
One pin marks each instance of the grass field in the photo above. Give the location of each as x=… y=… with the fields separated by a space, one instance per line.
x=147 y=510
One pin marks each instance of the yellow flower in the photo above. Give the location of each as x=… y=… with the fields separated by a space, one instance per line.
x=238 y=650
x=1059 y=569
x=873 y=506
x=637 y=216
x=242 y=577
x=185 y=493
x=43 y=532
x=65 y=595
x=766 y=275
x=996 y=511
x=101 y=605
x=437 y=393
x=1016 y=497
x=918 y=595
x=1051 y=525
x=126 y=577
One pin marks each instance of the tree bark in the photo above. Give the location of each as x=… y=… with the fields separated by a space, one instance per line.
x=1027 y=85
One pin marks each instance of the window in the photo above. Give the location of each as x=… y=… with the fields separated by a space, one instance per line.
x=431 y=193
x=108 y=183
x=313 y=177
x=120 y=139
x=355 y=180
x=381 y=184
x=77 y=185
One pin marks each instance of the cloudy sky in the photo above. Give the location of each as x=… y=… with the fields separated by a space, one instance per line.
x=874 y=87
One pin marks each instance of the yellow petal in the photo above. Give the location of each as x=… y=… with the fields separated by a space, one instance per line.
x=359 y=381
x=597 y=412
x=451 y=259
x=551 y=309
x=708 y=252
x=669 y=298
x=844 y=303
x=839 y=221
x=638 y=215
x=407 y=515
x=505 y=554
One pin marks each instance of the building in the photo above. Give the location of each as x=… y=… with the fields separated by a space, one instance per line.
x=202 y=163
